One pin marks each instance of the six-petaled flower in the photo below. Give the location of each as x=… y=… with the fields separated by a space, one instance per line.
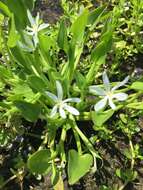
x=35 y=27
x=61 y=105
x=108 y=93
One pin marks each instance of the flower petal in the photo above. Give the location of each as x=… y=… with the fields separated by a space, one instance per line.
x=120 y=84
x=35 y=39
x=59 y=90
x=106 y=81
x=101 y=104
x=71 y=109
x=31 y=19
x=120 y=96
x=97 y=90
x=42 y=26
x=37 y=19
x=54 y=111
x=77 y=100
x=52 y=96
x=62 y=113
x=111 y=104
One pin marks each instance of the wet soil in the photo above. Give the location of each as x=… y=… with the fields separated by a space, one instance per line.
x=50 y=10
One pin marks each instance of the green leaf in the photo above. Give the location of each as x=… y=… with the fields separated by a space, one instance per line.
x=136 y=105
x=80 y=79
x=98 y=55
x=37 y=83
x=62 y=37
x=60 y=184
x=29 y=4
x=39 y=162
x=13 y=35
x=5 y=73
x=79 y=25
x=46 y=42
x=19 y=10
x=5 y=9
x=55 y=175
x=137 y=86
x=78 y=165
x=99 y=118
x=94 y=15
x=126 y=175
x=29 y=111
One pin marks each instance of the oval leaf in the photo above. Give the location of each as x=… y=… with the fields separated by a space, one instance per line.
x=29 y=111
x=39 y=162
x=137 y=86
x=99 y=118
x=78 y=165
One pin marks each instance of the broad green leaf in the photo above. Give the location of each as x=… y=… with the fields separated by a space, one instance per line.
x=78 y=27
x=29 y=111
x=19 y=10
x=98 y=55
x=46 y=42
x=80 y=79
x=60 y=184
x=39 y=162
x=78 y=165
x=137 y=86
x=99 y=118
x=62 y=37
x=29 y=4
x=94 y=15
x=25 y=60
x=4 y=8
x=13 y=35
x=37 y=83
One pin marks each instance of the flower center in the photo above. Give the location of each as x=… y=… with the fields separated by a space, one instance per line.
x=35 y=28
x=109 y=94
x=60 y=103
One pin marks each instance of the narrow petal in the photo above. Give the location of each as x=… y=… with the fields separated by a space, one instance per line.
x=121 y=83
x=101 y=104
x=31 y=19
x=77 y=100
x=54 y=111
x=106 y=81
x=97 y=90
x=42 y=26
x=35 y=39
x=71 y=109
x=29 y=29
x=52 y=96
x=62 y=113
x=59 y=90
x=120 y=96
x=37 y=19
x=111 y=104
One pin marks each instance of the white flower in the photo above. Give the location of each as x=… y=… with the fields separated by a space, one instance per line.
x=35 y=27
x=107 y=93
x=60 y=104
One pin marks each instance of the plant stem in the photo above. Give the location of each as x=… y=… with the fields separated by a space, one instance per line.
x=133 y=154
x=7 y=181
x=32 y=135
x=62 y=140
x=77 y=142
x=123 y=186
